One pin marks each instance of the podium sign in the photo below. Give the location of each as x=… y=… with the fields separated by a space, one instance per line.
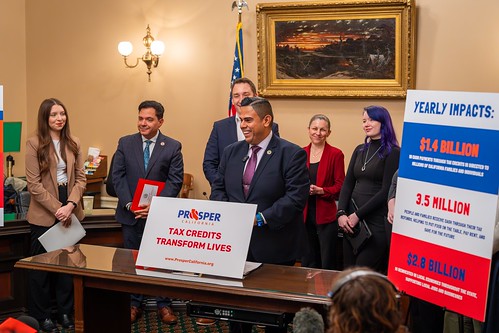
x=197 y=236
x=446 y=200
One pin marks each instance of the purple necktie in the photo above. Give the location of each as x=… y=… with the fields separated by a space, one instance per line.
x=250 y=169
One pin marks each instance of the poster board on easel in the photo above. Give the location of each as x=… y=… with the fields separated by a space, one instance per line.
x=447 y=194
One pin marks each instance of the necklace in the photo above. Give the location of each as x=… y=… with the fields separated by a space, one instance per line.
x=316 y=154
x=370 y=158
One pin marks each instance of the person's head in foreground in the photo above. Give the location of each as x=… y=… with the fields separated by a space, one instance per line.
x=308 y=320
x=364 y=301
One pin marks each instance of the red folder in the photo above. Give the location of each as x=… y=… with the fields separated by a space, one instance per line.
x=146 y=189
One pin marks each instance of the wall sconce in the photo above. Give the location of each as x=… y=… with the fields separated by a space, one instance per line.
x=154 y=49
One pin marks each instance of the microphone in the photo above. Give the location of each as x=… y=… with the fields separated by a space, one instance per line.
x=245 y=158
x=206 y=195
x=308 y=320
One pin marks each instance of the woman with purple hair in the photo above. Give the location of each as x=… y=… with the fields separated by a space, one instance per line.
x=367 y=182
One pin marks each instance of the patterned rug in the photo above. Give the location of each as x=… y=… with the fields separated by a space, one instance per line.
x=150 y=323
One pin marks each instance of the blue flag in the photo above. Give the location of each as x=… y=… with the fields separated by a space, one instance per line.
x=238 y=67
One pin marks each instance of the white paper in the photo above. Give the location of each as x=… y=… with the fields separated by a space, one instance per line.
x=250 y=266
x=94 y=152
x=148 y=192
x=59 y=237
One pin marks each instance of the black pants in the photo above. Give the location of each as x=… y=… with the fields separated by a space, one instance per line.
x=374 y=253
x=41 y=284
x=426 y=317
x=322 y=242
x=132 y=236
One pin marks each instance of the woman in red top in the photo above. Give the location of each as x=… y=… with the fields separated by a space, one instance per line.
x=327 y=171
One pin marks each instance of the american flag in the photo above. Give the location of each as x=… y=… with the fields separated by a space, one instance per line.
x=238 y=67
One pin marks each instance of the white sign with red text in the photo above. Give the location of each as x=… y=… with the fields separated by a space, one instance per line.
x=197 y=236
x=446 y=199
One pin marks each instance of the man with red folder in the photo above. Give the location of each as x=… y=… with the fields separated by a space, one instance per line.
x=147 y=155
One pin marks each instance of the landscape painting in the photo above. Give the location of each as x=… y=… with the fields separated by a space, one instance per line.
x=335 y=49
x=342 y=48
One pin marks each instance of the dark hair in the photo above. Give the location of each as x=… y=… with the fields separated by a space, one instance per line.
x=160 y=110
x=320 y=117
x=261 y=106
x=244 y=80
x=307 y=320
x=44 y=138
x=364 y=303
x=388 y=136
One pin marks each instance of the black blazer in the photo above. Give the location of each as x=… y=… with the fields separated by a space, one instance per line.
x=279 y=187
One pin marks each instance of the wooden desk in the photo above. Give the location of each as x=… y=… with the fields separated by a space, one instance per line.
x=102 y=288
x=101 y=228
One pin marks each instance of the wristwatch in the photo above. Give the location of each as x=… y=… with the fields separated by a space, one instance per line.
x=260 y=222
x=74 y=203
x=340 y=212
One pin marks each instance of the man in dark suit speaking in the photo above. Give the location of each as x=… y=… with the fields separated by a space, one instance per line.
x=227 y=130
x=151 y=155
x=272 y=173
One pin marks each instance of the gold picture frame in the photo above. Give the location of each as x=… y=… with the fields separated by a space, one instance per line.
x=342 y=48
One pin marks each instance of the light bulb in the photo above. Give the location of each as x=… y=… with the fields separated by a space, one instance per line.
x=125 y=48
x=157 y=47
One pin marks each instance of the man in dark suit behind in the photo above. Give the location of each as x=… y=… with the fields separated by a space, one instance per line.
x=279 y=187
x=164 y=163
x=227 y=130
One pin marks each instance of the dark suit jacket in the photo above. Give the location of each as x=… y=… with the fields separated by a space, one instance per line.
x=280 y=189
x=224 y=133
x=166 y=165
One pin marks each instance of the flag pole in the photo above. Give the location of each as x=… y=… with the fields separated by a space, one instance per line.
x=238 y=66
x=239 y=5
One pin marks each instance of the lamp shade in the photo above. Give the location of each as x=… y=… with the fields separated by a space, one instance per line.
x=12 y=136
x=157 y=47
x=125 y=48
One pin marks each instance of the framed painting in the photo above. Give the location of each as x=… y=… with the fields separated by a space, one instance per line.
x=342 y=48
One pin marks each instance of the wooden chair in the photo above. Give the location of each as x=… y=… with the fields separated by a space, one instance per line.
x=187 y=185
